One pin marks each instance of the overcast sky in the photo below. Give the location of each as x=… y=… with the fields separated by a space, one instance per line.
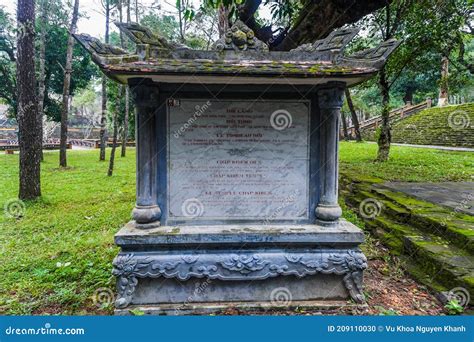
x=93 y=21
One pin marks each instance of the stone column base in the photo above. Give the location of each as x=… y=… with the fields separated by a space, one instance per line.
x=147 y=215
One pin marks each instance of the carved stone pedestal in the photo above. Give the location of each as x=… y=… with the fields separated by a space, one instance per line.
x=197 y=269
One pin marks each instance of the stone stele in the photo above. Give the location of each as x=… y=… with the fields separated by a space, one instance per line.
x=237 y=171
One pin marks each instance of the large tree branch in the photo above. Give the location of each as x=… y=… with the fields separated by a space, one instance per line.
x=319 y=17
x=246 y=13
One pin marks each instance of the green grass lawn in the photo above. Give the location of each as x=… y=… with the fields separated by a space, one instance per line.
x=55 y=257
x=408 y=164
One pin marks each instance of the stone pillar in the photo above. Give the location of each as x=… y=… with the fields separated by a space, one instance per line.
x=146 y=212
x=330 y=103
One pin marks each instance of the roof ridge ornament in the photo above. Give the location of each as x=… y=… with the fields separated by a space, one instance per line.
x=95 y=46
x=142 y=35
x=335 y=42
x=375 y=57
x=240 y=38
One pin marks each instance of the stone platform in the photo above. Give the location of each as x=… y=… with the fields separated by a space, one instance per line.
x=163 y=269
x=454 y=195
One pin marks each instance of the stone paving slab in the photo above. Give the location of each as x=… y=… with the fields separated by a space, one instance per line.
x=455 y=195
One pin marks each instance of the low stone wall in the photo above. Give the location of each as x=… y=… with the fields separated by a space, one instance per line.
x=435 y=244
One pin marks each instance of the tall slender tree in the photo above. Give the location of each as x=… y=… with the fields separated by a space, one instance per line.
x=29 y=131
x=137 y=14
x=223 y=19
x=103 y=117
x=355 y=119
x=115 y=114
x=390 y=22
x=127 y=99
x=44 y=8
x=344 y=126
x=66 y=87
x=443 y=98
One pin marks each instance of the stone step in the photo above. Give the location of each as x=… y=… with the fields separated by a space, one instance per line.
x=437 y=253
x=430 y=259
x=456 y=228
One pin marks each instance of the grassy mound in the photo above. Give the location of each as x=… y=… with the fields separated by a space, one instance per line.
x=444 y=126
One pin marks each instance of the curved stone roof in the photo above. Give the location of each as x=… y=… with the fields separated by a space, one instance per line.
x=236 y=58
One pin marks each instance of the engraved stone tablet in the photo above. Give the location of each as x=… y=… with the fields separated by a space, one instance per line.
x=238 y=160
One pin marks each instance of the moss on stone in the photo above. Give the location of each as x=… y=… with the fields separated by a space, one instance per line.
x=440 y=254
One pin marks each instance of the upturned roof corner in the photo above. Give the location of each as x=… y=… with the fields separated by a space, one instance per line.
x=240 y=55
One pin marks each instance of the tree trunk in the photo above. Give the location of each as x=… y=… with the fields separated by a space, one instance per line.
x=103 y=115
x=114 y=144
x=115 y=116
x=180 y=21
x=223 y=20
x=42 y=69
x=127 y=102
x=129 y=17
x=443 y=99
x=66 y=87
x=136 y=12
x=125 y=122
x=315 y=21
x=29 y=131
x=355 y=119
x=385 y=136
x=344 y=127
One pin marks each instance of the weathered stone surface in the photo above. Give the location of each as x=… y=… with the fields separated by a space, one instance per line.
x=458 y=196
x=239 y=53
x=343 y=233
x=253 y=160
x=436 y=244
x=311 y=261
